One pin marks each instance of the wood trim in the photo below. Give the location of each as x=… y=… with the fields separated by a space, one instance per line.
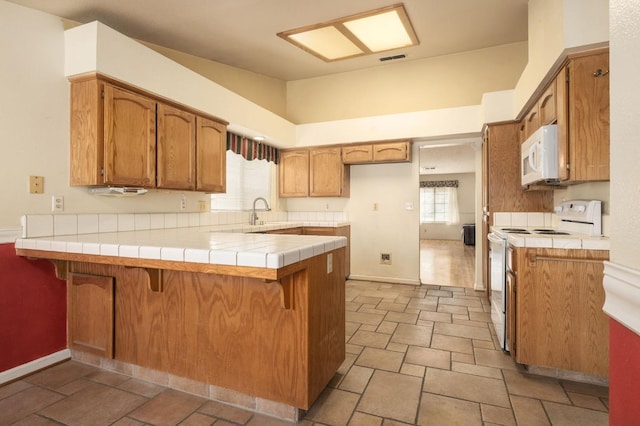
x=238 y=271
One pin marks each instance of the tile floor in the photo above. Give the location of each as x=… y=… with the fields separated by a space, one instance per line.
x=415 y=355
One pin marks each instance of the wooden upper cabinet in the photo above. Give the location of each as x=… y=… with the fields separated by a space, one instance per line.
x=328 y=176
x=388 y=152
x=293 y=173
x=357 y=154
x=588 y=118
x=176 y=148
x=129 y=138
x=392 y=152
x=532 y=121
x=547 y=105
x=123 y=137
x=211 y=155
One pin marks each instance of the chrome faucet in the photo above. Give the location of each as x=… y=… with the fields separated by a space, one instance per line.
x=254 y=217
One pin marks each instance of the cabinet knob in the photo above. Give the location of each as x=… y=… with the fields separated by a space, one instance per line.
x=600 y=73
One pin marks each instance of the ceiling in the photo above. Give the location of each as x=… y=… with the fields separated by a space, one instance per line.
x=242 y=33
x=457 y=157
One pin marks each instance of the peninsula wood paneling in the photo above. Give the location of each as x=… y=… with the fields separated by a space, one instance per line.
x=282 y=341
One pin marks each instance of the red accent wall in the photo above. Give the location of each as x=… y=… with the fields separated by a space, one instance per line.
x=624 y=375
x=33 y=309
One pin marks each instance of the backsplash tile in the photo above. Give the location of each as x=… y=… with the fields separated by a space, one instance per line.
x=66 y=224
x=142 y=221
x=126 y=222
x=107 y=222
x=37 y=225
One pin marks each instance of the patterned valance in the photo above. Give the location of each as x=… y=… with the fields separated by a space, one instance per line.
x=250 y=149
x=439 y=184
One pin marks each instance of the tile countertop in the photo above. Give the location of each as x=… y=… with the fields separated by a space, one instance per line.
x=234 y=245
x=573 y=241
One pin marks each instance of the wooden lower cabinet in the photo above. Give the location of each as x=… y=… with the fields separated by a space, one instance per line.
x=90 y=311
x=339 y=231
x=554 y=314
x=281 y=340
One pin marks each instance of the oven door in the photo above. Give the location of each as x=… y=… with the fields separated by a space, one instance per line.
x=497 y=265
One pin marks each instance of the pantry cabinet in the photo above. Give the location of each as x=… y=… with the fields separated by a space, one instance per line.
x=124 y=137
x=501 y=188
x=315 y=172
x=554 y=310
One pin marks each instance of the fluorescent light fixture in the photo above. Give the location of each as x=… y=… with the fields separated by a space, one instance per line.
x=370 y=32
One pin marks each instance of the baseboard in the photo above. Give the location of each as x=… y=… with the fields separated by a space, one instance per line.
x=383 y=279
x=622 y=292
x=33 y=366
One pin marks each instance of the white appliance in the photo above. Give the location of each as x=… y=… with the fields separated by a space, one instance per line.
x=539 y=156
x=576 y=217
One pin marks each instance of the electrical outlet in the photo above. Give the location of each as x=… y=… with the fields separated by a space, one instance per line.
x=329 y=263
x=57 y=203
x=202 y=206
x=385 y=258
x=183 y=202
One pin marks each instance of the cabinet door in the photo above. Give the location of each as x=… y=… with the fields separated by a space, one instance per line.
x=392 y=152
x=357 y=154
x=176 y=148
x=326 y=173
x=129 y=138
x=293 y=173
x=532 y=120
x=589 y=118
x=560 y=319
x=211 y=155
x=547 y=105
x=90 y=310
x=86 y=134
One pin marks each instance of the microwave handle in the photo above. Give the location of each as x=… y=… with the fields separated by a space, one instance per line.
x=532 y=153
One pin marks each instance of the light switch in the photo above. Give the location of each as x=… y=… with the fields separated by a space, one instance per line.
x=36 y=184
x=408 y=205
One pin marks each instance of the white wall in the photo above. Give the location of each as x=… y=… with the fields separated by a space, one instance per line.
x=466 y=207
x=625 y=128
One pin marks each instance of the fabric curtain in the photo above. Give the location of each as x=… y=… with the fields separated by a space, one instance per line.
x=453 y=216
x=252 y=150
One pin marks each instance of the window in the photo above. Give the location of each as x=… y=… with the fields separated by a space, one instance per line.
x=434 y=205
x=246 y=180
x=439 y=202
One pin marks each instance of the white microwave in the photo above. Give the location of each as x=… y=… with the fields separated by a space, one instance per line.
x=539 y=156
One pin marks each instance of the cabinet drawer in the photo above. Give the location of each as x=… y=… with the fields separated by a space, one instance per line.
x=357 y=154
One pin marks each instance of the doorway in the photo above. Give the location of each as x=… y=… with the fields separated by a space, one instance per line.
x=447 y=202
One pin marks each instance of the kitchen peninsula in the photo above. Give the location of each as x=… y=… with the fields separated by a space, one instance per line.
x=262 y=315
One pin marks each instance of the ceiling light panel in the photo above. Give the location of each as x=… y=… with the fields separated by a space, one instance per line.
x=328 y=42
x=381 y=32
x=370 y=32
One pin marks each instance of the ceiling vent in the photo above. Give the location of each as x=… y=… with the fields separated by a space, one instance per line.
x=391 y=58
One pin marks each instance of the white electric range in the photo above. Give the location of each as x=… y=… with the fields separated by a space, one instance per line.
x=579 y=227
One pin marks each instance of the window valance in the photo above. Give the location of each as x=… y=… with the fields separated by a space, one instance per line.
x=439 y=184
x=252 y=150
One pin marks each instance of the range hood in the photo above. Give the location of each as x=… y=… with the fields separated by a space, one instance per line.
x=118 y=191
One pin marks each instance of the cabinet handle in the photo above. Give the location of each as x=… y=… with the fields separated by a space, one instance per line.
x=534 y=258
x=600 y=73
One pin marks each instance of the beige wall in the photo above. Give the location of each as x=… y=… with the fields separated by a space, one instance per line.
x=269 y=93
x=426 y=84
x=625 y=128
